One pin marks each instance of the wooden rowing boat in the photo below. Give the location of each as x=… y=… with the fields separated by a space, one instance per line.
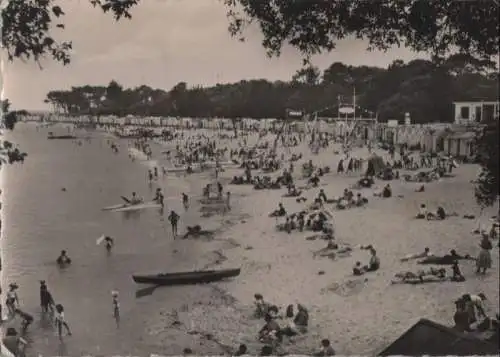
x=193 y=277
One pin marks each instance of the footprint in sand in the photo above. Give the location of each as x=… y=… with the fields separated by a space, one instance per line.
x=346 y=288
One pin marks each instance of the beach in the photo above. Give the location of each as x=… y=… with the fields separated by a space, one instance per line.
x=360 y=315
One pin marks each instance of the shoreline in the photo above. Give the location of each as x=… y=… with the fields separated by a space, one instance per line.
x=360 y=315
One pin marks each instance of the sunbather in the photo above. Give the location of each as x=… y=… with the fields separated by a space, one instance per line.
x=425 y=253
x=447 y=259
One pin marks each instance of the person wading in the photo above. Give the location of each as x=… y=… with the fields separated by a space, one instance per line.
x=174 y=219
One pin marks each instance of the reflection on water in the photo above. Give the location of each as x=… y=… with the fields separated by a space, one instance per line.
x=41 y=218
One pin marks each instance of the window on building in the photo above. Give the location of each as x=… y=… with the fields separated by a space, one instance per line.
x=464 y=113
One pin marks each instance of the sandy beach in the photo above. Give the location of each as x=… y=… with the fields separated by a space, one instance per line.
x=360 y=315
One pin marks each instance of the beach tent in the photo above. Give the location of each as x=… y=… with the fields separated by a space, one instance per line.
x=430 y=338
x=378 y=164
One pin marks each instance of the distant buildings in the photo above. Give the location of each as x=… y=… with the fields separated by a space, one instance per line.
x=476 y=111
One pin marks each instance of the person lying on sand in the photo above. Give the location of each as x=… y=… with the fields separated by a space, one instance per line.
x=420 y=189
x=325 y=350
x=409 y=275
x=425 y=253
x=196 y=232
x=447 y=259
x=280 y=212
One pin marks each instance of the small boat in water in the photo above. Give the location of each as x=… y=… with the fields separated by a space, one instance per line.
x=132 y=207
x=193 y=277
x=52 y=136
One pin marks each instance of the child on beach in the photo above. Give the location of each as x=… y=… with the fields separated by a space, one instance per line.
x=60 y=321
x=116 y=308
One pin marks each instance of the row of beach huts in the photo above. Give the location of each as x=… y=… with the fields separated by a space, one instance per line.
x=449 y=138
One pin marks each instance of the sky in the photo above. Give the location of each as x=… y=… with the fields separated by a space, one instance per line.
x=166 y=42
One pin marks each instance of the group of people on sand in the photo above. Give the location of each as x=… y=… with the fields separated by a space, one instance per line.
x=279 y=327
x=471 y=316
x=353 y=165
x=483 y=263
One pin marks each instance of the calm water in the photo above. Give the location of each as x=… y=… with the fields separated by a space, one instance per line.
x=40 y=220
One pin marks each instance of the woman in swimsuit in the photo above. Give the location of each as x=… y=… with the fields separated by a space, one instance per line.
x=12 y=299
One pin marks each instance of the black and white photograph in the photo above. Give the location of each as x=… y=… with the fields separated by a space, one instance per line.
x=249 y=177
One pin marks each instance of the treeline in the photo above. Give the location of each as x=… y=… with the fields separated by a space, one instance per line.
x=424 y=89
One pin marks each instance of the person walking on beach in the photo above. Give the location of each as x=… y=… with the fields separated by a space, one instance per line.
x=116 y=308
x=185 y=201
x=60 y=321
x=174 y=218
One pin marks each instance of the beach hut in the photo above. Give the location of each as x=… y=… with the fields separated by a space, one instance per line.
x=377 y=163
x=432 y=339
x=460 y=144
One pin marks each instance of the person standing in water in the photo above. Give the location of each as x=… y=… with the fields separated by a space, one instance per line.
x=150 y=175
x=156 y=173
x=108 y=243
x=159 y=197
x=174 y=218
x=12 y=299
x=185 y=201
x=46 y=299
x=116 y=308
x=60 y=321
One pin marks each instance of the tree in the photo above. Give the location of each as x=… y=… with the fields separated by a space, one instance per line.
x=437 y=27
x=8 y=152
x=309 y=75
x=488 y=183
x=27 y=27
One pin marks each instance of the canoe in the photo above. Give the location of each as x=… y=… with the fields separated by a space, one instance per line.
x=127 y=207
x=52 y=137
x=138 y=207
x=193 y=277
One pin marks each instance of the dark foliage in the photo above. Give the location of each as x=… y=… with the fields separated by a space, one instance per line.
x=419 y=87
x=488 y=182
x=29 y=26
x=437 y=27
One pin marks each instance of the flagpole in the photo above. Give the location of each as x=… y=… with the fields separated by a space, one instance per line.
x=354 y=103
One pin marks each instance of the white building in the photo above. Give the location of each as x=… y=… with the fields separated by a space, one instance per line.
x=475 y=112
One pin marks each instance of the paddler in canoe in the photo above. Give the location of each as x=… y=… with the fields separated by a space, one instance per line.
x=134 y=200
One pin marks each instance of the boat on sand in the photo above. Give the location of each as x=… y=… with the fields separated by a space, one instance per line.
x=184 y=278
